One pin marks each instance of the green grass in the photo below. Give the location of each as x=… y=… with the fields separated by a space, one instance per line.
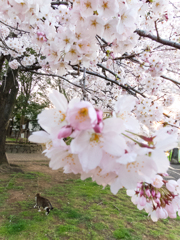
x=10 y=139
x=124 y=233
x=30 y=175
x=82 y=210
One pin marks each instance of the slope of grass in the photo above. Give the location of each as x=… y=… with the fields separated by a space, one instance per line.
x=82 y=210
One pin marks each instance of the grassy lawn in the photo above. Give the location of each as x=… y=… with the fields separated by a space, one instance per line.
x=82 y=209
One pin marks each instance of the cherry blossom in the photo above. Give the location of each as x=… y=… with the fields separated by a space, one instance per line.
x=158 y=201
x=14 y=64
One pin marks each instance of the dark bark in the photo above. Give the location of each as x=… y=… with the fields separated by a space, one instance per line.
x=8 y=93
x=2 y=58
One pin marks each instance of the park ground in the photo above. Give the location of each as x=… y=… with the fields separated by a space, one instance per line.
x=82 y=209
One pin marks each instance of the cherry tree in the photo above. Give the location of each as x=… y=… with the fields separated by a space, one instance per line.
x=117 y=63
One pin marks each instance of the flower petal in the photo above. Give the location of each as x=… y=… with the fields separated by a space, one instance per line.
x=80 y=142
x=90 y=158
x=59 y=100
x=39 y=137
x=114 y=144
x=114 y=125
x=51 y=120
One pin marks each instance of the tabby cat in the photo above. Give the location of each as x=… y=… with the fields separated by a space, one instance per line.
x=43 y=202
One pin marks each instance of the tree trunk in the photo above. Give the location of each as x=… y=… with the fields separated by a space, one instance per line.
x=8 y=93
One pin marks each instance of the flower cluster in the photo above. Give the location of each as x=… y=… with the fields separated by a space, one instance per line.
x=28 y=60
x=153 y=84
x=148 y=112
x=4 y=32
x=14 y=64
x=82 y=139
x=152 y=65
x=65 y=27
x=160 y=198
x=168 y=101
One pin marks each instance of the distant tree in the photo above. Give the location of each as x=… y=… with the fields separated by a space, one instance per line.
x=30 y=101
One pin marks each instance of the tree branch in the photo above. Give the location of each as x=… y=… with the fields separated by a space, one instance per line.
x=54 y=75
x=129 y=87
x=29 y=68
x=59 y=3
x=126 y=56
x=83 y=84
x=170 y=79
x=14 y=27
x=106 y=78
x=7 y=46
x=157 y=32
x=157 y=39
x=162 y=76
x=101 y=76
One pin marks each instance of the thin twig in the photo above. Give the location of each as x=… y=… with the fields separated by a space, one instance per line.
x=20 y=30
x=83 y=84
x=117 y=77
x=54 y=75
x=7 y=46
x=106 y=78
x=157 y=32
x=116 y=208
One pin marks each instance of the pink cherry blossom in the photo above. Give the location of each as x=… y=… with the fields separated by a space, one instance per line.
x=171 y=185
x=142 y=201
x=82 y=116
x=157 y=181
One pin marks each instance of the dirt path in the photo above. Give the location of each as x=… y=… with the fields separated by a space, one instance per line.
x=24 y=157
x=174 y=171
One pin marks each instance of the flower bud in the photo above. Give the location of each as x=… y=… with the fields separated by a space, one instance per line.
x=99 y=127
x=139 y=185
x=148 y=193
x=99 y=115
x=141 y=192
x=158 y=195
x=153 y=193
x=157 y=201
x=65 y=132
